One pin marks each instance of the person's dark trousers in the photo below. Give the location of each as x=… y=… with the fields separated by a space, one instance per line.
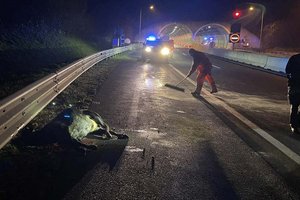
x=294 y=121
x=294 y=99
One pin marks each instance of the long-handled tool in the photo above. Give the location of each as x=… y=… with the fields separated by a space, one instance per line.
x=176 y=86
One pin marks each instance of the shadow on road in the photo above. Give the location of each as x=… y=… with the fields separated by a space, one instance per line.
x=46 y=165
x=214 y=174
x=290 y=171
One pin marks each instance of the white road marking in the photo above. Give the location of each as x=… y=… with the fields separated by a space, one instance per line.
x=284 y=149
x=216 y=67
x=133 y=149
x=184 y=54
x=180 y=111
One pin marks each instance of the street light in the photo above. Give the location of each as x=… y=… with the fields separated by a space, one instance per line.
x=151 y=7
x=263 y=10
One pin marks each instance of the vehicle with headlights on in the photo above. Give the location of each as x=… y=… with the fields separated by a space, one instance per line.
x=158 y=50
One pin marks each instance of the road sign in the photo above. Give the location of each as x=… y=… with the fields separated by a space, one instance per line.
x=234 y=37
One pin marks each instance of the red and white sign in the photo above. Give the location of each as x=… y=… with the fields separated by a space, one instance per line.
x=234 y=38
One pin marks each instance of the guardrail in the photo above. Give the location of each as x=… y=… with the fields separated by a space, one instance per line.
x=17 y=110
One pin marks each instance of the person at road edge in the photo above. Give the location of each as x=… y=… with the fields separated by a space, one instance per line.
x=202 y=64
x=292 y=71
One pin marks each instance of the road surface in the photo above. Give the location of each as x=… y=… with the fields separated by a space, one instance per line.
x=180 y=147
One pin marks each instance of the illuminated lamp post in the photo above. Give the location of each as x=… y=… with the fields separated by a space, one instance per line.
x=151 y=7
x=263 y=10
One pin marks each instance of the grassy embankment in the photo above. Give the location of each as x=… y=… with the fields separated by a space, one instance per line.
x=28 y=53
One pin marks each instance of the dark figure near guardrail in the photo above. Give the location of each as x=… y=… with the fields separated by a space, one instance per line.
x=293 y=74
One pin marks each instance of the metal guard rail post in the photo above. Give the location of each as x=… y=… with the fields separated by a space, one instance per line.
x=17 y=110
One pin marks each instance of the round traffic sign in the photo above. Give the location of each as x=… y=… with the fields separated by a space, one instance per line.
x=234 y=38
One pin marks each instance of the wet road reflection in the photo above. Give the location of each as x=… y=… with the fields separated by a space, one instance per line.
x=151 y=81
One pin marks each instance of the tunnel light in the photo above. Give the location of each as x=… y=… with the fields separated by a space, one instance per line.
x=165 y=51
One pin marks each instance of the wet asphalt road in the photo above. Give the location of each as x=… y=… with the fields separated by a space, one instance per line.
x=178 y=147
x=260 y=96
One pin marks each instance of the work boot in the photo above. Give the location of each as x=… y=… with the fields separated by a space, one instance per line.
x=195 y=94
x=214 y=89
x=295 y=130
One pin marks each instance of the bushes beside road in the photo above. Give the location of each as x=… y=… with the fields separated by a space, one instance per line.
x=29 y=52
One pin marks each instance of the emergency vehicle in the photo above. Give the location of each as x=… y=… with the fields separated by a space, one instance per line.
x=157 y=49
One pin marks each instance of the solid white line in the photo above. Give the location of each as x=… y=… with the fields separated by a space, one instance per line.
x=284 y=149
x=215 y=66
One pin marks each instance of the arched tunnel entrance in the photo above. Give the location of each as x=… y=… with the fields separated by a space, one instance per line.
x=180 y=33
x=212 y=35
x=208 y=35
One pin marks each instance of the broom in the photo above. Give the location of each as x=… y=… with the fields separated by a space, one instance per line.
x=176 y=86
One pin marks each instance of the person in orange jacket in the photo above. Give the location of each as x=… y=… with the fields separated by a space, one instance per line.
x=202 y=64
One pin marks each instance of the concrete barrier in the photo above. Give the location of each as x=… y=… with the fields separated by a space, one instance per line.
x=276 y=63
x=273 y=63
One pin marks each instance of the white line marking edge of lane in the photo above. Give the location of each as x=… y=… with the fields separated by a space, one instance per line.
x=215 y=66
x=284 y=149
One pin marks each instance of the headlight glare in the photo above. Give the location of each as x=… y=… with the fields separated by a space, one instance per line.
x=165 y=51
x=148 y=49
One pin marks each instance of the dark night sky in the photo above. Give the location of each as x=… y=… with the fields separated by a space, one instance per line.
x=195 y=10
x=107 y=14
x=180 y=10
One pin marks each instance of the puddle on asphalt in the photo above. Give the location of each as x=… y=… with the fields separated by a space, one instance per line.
x=152 y=83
